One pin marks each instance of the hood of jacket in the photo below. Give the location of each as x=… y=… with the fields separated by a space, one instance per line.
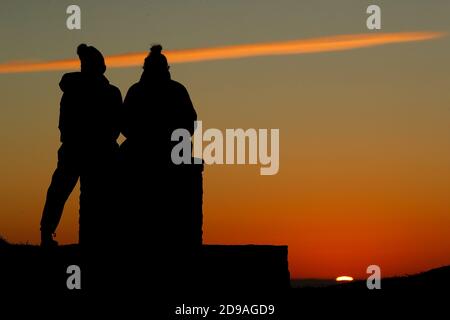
x=75 y=80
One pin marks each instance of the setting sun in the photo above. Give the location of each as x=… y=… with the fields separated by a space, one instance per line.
x=344 y=279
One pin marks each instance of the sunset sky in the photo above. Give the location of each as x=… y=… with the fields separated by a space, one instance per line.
x=364 y=132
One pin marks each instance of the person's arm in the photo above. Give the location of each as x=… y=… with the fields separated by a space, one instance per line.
x=116 y=109
x=188 y=111
x=125 y=112
x=62 y=117
x=68 y=117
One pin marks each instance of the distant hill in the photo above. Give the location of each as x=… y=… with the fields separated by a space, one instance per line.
x=263 y=266
x=434 y=279
x=228 y=274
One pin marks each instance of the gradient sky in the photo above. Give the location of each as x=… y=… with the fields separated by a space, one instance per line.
x=365 y=138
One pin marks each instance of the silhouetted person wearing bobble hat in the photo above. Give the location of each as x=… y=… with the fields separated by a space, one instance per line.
x=89 y=127
x=162 y=213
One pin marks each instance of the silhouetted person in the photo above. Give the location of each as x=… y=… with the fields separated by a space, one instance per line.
x=162 y=205
x=89 y=127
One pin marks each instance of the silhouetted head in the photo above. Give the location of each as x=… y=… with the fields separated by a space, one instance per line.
x=155 y=65
x=92 y=60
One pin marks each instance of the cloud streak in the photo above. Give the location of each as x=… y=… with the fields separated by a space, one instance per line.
x=300 y=46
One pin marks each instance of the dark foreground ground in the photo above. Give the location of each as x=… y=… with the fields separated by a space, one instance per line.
x=233 y=282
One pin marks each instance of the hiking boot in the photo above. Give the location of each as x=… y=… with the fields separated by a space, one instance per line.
x=47 y=240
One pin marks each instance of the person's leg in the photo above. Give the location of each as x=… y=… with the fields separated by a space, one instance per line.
x=87 y=209
x=63 y=182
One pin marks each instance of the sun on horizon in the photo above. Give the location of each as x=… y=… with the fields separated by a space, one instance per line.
x=344 y=279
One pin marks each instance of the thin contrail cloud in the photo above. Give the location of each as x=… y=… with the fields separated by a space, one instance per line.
x=300 y=46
